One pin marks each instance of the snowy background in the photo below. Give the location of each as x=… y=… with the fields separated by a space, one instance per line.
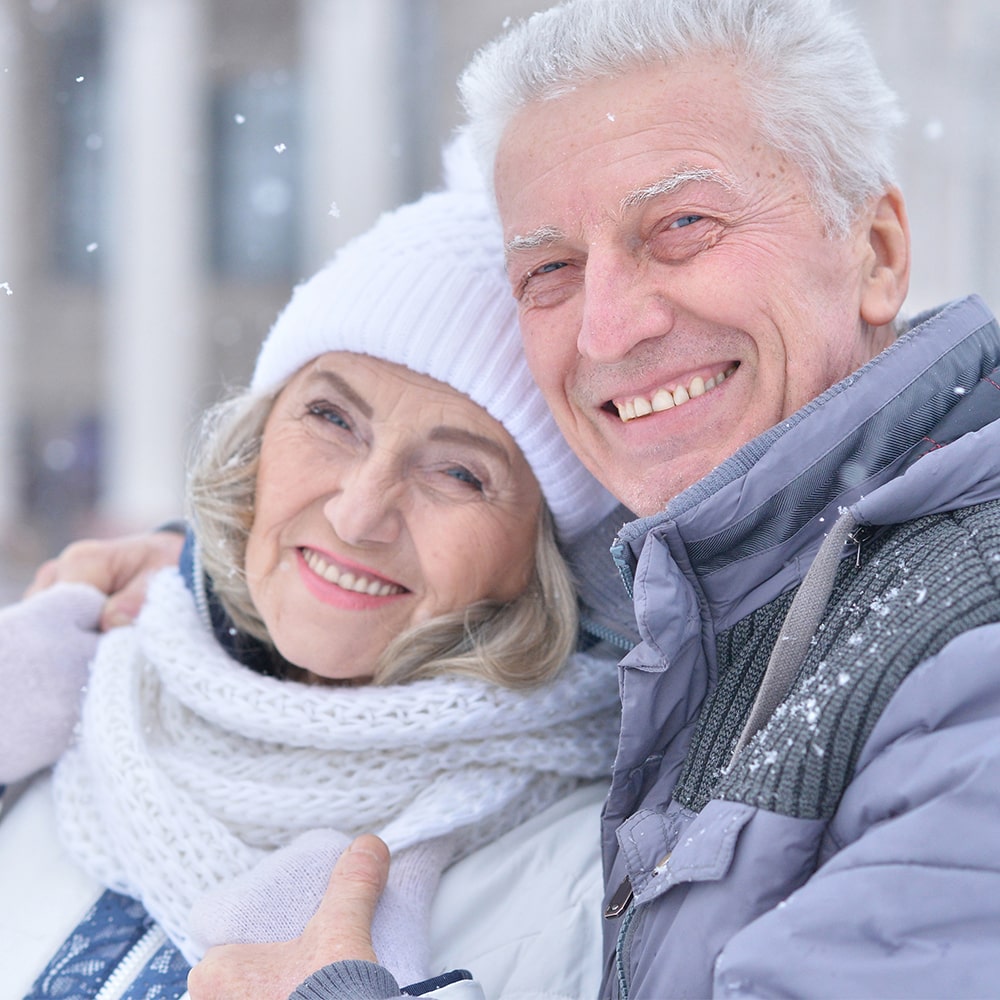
x=169 y=168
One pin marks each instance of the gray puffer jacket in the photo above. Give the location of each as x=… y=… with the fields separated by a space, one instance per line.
x=806 y=797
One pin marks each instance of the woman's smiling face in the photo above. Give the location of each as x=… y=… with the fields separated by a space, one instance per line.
x=384 y=499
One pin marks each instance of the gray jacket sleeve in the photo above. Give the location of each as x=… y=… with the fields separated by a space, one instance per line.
x=354 y=980
x=907 y=902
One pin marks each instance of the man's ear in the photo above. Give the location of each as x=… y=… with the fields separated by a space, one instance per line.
x=887 y=278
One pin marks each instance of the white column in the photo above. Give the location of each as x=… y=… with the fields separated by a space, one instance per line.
x=156 y=140
x=13 y=226
x=352 y=135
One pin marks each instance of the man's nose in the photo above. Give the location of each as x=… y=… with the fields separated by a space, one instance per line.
x=622 y=305
x=365 y=507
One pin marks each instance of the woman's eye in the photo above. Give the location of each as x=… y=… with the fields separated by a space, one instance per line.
x=463 y=475
x=331 y=414
x=685 y=220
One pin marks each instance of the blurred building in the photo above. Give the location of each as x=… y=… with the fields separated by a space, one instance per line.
x=169 y=168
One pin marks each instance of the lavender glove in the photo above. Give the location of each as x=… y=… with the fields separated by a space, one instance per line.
x=46 y=645
x=274 y=900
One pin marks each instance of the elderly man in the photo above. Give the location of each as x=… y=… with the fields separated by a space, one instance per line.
x=710 y=256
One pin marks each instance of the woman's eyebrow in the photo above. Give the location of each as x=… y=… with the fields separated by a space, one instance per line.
x=333 y=380
x=458 y=435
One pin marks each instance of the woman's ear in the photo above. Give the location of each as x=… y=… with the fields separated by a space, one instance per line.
x=888 y=270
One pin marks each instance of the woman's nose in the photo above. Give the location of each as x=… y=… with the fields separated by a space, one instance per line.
x=364 y=509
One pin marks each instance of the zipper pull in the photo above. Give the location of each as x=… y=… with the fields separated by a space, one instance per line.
x=620 y=901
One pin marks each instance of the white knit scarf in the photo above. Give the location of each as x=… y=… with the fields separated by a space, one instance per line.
x=190 y=768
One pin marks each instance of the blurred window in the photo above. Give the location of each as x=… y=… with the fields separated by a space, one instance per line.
x=256 y=170
x=78 y=208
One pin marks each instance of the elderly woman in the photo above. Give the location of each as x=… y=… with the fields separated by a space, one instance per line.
x=374 y=630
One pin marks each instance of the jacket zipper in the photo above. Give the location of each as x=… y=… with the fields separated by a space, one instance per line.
x=128 y=969
x=604 y=634
x=624 y=936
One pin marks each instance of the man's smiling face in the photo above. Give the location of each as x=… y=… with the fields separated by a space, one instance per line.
x=678 y=292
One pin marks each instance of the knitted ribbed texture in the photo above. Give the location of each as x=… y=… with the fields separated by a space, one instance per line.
x=920 y=584
x=425 y=287
x=798 y=629
x=361 y=980
x=190 y=767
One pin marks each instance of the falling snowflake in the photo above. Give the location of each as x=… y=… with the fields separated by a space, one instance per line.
x=334 y=210
x=280 y=148
x=239 y=119
x=6 y=288
x=91 y=247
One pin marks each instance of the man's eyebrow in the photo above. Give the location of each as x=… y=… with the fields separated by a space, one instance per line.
x=337 y=383
x=542 y=237
x=547 y=235
x=459 y=435
x=671 y=183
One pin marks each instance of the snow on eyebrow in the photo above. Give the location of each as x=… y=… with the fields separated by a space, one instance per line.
x=671 y=183
x=541 y=237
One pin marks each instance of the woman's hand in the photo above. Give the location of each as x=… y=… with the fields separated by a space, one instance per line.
x=46 y=645
x=340 y=930
x=118 y=567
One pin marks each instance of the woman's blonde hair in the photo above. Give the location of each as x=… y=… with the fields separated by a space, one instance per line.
x=518 y=643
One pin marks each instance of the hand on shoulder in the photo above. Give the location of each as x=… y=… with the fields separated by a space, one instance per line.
x=118 y=567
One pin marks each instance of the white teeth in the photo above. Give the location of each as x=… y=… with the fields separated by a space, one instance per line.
x=348 y=581
x=664 y=399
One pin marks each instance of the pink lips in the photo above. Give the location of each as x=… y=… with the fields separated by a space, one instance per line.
x=343 y=584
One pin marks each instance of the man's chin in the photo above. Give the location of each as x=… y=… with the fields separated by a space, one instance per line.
x=646 y=487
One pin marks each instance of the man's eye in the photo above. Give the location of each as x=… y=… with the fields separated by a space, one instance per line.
x=685 y=220
x=549 y=268
x=549 y=284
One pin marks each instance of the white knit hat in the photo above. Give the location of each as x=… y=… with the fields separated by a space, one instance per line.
x=425 y=287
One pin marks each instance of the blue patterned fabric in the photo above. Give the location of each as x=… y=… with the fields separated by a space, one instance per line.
x=112 y=927
x=163 y=978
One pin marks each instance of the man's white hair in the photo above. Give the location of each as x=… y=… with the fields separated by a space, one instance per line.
x=814 y=89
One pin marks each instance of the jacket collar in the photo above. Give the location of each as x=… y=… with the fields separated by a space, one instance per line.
x=751 y=527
